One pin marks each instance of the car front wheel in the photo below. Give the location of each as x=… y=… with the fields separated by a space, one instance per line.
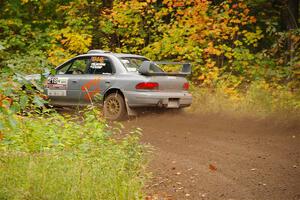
x=114 y=107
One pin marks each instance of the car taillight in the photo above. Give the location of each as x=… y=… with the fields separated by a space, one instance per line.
x=186 y=86
x=147 y=86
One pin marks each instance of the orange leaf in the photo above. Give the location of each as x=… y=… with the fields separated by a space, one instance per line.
x=212 y=167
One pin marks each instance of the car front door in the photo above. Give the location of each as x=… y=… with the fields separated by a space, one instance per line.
x=63 y=87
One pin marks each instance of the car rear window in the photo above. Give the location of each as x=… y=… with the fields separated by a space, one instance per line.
x=133 y=64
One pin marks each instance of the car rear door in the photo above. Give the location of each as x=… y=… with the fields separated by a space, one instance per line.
x=98 y=79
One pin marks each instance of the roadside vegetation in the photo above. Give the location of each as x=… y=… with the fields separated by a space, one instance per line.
x=245 y=57
x=47 y=155
x=259 y=100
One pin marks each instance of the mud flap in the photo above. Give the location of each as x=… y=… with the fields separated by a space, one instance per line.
x=130 y=111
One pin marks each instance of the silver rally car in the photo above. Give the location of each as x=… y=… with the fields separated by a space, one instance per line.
x=123 y=82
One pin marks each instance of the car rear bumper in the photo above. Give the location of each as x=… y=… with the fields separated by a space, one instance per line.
x=160 y=99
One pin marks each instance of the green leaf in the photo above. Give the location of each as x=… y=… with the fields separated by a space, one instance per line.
x=12 y=121
x=2 y=47
x=1 y=126
x=23 y=101
x=15 y=107
x=38 y=101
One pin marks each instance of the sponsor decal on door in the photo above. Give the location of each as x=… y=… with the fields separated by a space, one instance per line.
x=91 y=88
x=60 y=83
x=57 y=93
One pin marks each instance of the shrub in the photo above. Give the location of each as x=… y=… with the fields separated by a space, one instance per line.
x=56 y=157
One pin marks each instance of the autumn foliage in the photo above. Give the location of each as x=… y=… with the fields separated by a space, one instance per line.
x=231 y=43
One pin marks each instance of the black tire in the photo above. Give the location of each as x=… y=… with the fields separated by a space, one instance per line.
x=114 y=107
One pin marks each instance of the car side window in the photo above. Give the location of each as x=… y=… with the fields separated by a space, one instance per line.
x=100 y=65
x=79 y=66
x=75 y=66
x=155 y=68
x=63 y=69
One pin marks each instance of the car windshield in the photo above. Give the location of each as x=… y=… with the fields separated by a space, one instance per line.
x=132 y=64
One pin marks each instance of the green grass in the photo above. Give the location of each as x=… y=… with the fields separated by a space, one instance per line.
x=57 y=157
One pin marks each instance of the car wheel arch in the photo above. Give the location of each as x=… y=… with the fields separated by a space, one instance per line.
x=113 y=90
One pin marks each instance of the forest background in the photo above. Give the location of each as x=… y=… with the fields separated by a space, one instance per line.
x=245 y=57
x=235 y=47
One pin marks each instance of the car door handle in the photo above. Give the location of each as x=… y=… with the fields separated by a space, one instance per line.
x=74 y=81
x=108 y=82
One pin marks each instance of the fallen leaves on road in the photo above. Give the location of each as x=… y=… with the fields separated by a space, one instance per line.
x=202 y=195
x=263 y=184
x=212 y=167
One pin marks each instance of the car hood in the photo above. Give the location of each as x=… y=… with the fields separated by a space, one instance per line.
x=35 y=76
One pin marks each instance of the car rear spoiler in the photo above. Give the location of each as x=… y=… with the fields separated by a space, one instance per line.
x=145 y=69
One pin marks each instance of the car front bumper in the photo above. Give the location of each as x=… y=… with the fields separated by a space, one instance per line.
x=158 y=98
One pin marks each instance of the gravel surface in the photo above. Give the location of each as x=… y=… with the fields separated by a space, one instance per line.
x=209 y=156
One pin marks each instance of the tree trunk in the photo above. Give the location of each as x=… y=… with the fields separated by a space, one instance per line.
x=108 y=3
x=290 y=14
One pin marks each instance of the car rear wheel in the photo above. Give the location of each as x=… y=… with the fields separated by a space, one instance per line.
x=114 y=107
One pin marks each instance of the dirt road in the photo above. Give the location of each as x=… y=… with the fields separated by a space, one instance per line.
x=217 y=157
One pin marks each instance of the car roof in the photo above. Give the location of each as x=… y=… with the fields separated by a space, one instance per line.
x=119 y=55
x=127 y=55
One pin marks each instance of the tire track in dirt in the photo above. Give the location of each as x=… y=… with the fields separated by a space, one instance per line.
x=254 y=159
